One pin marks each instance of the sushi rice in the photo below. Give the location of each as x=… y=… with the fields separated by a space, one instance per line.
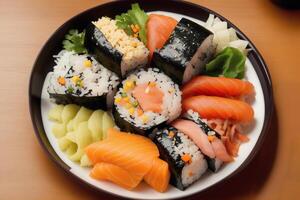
x=95 y=80
x=191 y=171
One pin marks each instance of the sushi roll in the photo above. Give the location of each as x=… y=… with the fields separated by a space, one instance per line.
x=208 y=140
x=188 y=49
x=145 y=99
x=186 y=162
x=81 y=80
x=113 y=48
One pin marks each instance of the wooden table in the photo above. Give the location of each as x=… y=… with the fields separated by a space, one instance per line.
x=27 y=173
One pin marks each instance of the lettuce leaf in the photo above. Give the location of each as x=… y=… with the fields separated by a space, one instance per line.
x=230 y=63
x=135 y=16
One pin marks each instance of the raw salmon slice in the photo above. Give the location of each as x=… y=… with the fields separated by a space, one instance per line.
x=211 y=107
x=193 y=131
x=159 y=29
x=217 y=86
x=115 y=174
x=214 y=149
x=133 y=153
x=150 y=98
x=220 y=150
x=159 y=175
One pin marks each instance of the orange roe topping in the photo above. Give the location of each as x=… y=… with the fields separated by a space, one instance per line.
x=171 y=134
x=61 y=80
x=152 y=84
x=186 y=158
x=211 y=138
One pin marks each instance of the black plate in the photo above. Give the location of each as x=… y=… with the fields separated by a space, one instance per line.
x=45 y=62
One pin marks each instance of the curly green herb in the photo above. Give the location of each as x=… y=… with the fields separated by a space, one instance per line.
x=134 y=22
x=74 y=41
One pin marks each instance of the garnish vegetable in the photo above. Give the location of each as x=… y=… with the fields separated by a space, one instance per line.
x=134 y=22
x=74 y=41
x=229 y=63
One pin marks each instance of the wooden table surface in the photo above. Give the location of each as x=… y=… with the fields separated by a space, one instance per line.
x=27 y=173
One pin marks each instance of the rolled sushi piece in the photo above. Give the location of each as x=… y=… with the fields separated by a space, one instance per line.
x=81 y=80
x=113 y=48
x=186 y=52
x=214 y=138
x=145 y=99
x=186 y=162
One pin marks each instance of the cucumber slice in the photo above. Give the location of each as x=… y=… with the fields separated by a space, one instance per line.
x=70 y=126
x=59 y=130
x=83 y=135
x=71 y=149
x=95 y=125
x=64 y=143
x=107 y=122
x=55 y=113
x=82 y=115
x=85 y=161
x=71 y=136
x=69 y=112
x=77 y=155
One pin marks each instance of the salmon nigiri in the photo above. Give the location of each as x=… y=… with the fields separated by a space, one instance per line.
x=159 y=28
x=211 y=107
x=217 y=86
x=115 y=174
x=159 y=175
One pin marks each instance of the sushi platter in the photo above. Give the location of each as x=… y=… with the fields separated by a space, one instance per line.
x=150 y=101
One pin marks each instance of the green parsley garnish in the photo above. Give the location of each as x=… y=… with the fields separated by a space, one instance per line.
x=74 y=41
x=70 y=90
x=135 y=17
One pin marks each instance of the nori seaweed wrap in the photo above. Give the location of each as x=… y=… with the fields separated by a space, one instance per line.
x=188 y=49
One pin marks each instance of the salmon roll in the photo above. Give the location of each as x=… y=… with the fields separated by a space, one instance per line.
x=145 y=99
x=186 y=162
x=208 y=140
x=113 y=48
x=184 y=55
x=80 y=79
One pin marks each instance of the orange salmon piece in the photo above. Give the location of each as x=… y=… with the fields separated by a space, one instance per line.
x=217 y=86
x=211 y=107
x=115 y=174
x=159 y=175
x=159 y=29
x=150 y=98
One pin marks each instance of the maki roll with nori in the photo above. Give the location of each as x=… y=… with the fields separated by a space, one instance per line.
x=81 y=80
x=145 y=99
x=185 y=160
x=188 y=49
x=113 y=48
x=208 y=140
